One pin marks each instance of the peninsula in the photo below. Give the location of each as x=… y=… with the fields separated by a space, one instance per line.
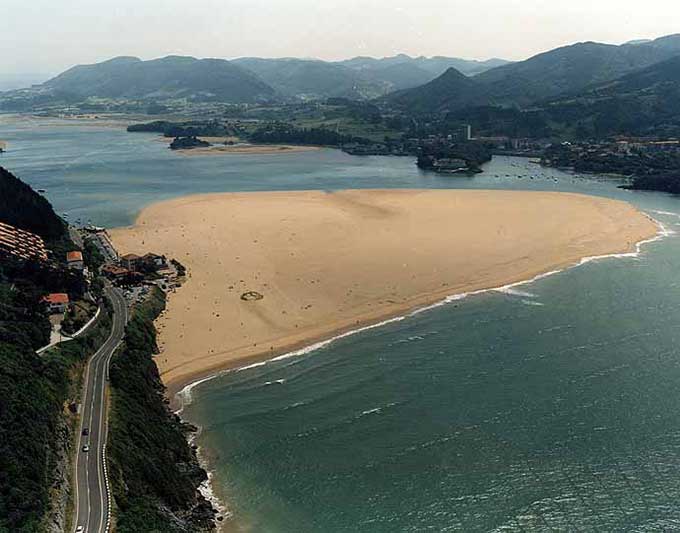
x=271 y=272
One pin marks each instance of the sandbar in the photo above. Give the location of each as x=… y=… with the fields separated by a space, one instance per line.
x=220 y=148
x=317 y=263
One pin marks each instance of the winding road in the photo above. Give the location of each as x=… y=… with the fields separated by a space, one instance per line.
x=92 y=505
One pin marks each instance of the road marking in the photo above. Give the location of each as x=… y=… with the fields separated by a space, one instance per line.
x=101 y=360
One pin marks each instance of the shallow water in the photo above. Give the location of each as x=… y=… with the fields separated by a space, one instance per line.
x=550 y=406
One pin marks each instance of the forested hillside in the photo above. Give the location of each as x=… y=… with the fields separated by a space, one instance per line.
x=22 y=207
x=168 y=77
x=35 y=390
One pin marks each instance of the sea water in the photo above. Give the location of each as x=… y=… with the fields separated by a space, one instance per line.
x=551 y=406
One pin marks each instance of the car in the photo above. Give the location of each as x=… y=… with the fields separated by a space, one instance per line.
x=86 y=448
x=86 y=431
x=80 y=529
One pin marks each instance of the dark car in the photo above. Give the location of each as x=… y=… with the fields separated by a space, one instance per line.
x=86 y=431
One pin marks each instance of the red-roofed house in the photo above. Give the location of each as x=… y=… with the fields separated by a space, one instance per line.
x=74 y=260
x=57 y=302
x=115 y=272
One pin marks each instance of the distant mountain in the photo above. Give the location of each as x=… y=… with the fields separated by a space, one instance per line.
x=573 y=68
x=360 y=77
x=169 y=77
x=645 y=102
x=450 y=91
x=313 y=79
x=544 y=77
x=9 y=82
x=434 y=66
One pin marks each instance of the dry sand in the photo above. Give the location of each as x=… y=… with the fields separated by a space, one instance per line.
x=260 y=149
x=219 y=148
x=330 y=262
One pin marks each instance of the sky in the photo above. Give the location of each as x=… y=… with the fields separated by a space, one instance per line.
x=49 y=36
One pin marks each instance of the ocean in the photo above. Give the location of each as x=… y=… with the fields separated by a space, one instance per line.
x=551 y=406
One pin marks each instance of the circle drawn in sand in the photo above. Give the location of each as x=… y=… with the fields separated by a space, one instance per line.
x=251 y=296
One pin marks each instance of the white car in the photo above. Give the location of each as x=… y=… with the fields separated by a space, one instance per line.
x=80 y=529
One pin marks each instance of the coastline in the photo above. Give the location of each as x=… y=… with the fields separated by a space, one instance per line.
x=180 y=393
x=182 y=397
x=193 y=350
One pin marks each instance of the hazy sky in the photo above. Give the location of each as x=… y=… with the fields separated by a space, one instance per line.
x=48 y=36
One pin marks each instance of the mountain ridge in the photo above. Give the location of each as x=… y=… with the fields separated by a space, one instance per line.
x=170 y=76
x=548 y=75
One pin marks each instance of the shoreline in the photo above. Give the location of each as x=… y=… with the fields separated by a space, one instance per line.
x=597 y=229
x=179 y=393
x=301 y=248
x=182 y=397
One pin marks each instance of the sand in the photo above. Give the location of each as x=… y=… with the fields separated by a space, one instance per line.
x=219 y=148
x=260 y=149
x=326 y=263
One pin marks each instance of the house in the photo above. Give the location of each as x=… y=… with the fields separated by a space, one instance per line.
x=74 y=260
x=114 y=272
x=56 y=302
x=131 y=261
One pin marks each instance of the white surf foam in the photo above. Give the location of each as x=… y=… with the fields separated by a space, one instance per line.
x=275 y=382
x=206 y=488
x=669 y=213
x=515 y=292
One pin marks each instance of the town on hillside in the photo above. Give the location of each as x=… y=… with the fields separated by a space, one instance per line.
x=73 y=310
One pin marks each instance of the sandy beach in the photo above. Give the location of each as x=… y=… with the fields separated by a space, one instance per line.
x=220 y=148
x=271 y=272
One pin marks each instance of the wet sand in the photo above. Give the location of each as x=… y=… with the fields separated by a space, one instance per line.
x=271 y=272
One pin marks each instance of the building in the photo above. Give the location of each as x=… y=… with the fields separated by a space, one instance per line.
x=114 y=272
x=131 y=261
x=447 y=164
x=57 y=302
x=74 y=260
x=499 y=143
x=21 y=244
x=154 y=261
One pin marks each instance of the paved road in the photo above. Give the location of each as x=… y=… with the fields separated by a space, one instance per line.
x=91 y=488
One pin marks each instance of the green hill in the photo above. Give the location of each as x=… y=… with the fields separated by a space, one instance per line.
x=568 y=69
x=312 y=79
x=360 y=77
x=547 y=76
x=22 y=207
x=452 y=90
x=641 y=103
x=168 y=77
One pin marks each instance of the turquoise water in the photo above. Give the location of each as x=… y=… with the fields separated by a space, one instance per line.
x=551 y=407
